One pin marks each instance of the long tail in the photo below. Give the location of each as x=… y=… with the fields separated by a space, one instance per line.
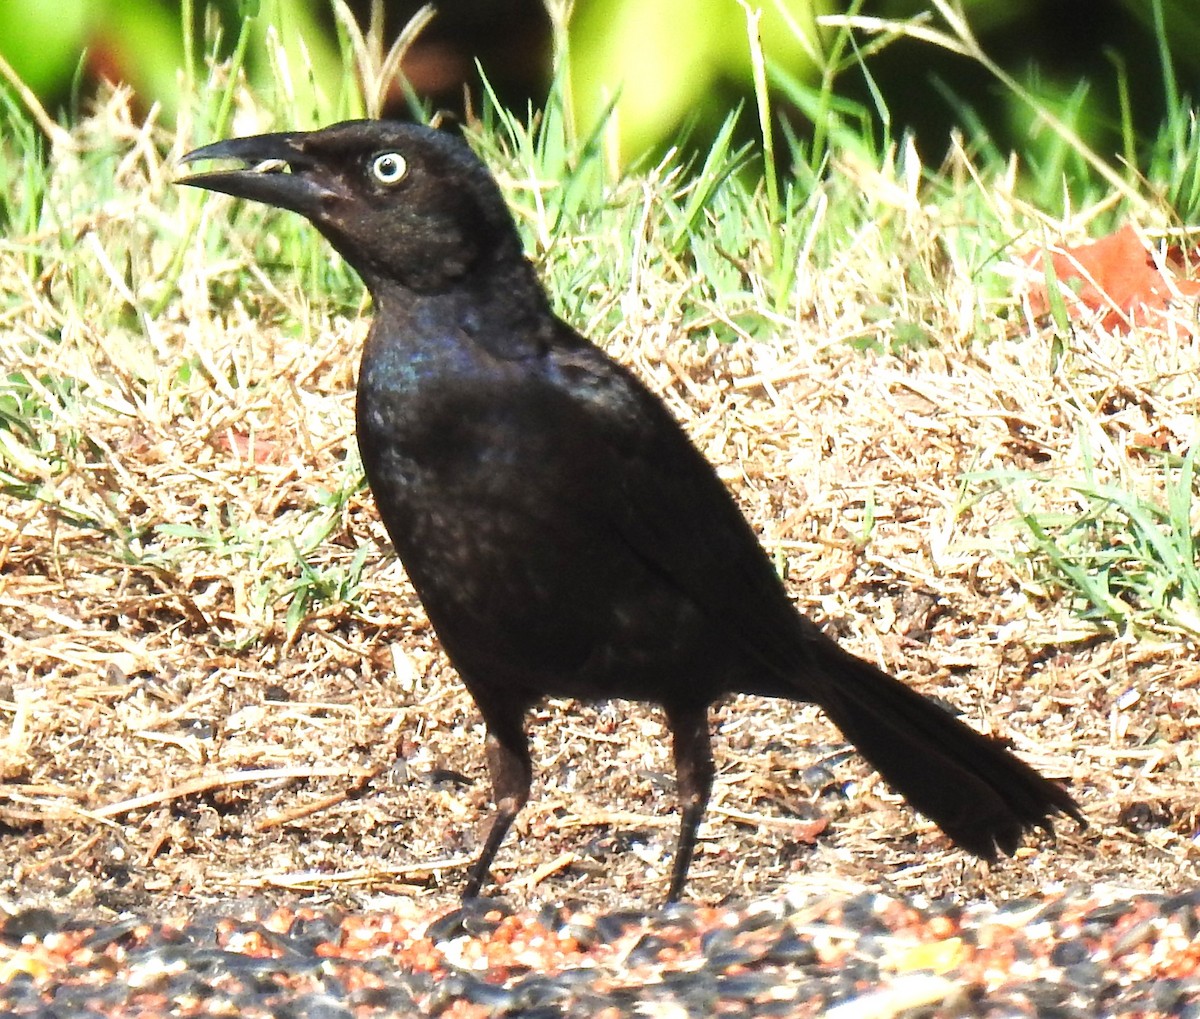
x=978 y=793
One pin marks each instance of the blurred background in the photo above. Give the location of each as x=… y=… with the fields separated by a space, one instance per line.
x=676 y=65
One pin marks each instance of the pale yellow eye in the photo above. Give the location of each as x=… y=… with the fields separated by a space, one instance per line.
x=389 y=167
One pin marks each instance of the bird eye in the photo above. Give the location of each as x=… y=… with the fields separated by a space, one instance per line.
x=389 y=167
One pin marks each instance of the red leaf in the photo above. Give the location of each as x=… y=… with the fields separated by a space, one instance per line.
x=1117 y=275
x=260 y=450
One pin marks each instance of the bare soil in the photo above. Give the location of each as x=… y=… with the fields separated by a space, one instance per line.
x=166 y=741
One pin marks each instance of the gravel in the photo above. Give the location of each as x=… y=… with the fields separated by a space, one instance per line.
x=1086 y=952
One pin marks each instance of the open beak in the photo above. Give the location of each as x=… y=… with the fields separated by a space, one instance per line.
x=290 y=179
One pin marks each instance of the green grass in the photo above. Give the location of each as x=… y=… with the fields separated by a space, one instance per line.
x=1123 y=555
x=135 y=314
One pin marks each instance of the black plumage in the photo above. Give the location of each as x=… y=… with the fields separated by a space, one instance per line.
x=564 y=535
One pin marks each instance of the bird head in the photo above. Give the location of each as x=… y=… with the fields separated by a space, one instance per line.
x=403 y=204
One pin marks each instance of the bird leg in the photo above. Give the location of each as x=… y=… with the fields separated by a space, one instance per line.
x=512 y=774
x=693 y=778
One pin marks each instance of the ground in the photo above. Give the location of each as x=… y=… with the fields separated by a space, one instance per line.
x=169 y=739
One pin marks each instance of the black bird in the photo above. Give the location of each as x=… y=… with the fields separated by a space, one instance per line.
x=564 y=535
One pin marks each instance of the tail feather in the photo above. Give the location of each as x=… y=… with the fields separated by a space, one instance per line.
x=975 y=790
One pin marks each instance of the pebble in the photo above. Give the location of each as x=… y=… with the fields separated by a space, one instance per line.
x=1080 y=954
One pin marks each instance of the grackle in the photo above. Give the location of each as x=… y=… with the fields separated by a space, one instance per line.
x=564 y=535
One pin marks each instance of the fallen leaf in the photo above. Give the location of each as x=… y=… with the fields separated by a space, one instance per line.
x=1117 y=275
x=255 y=448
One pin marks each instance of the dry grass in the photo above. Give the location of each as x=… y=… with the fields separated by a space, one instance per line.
x=167 y=734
